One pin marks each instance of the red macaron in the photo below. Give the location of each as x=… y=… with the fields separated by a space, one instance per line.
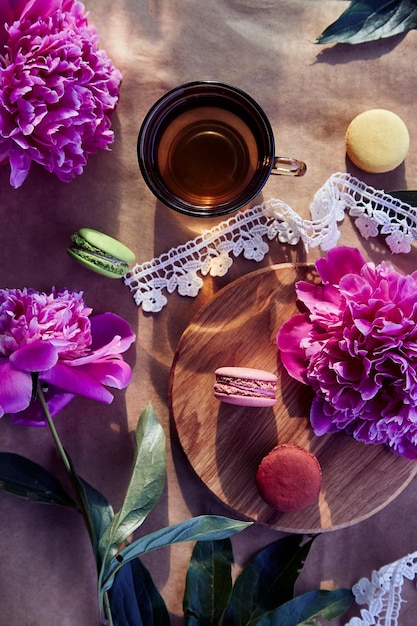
x=289 y=478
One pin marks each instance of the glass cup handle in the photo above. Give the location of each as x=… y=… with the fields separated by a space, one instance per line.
x=288 y=166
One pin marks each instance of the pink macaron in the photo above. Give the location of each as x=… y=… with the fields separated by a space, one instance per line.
x=245 y=386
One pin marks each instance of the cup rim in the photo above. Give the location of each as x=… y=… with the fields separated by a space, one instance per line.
x=170 y=199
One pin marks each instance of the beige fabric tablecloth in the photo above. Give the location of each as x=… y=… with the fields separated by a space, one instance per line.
x=310 y=93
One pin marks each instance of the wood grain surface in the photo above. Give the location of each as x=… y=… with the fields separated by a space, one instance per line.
x=226 y=443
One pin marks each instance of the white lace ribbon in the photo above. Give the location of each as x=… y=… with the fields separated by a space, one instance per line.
x=180 y=269
x=382 y=594
x=376 y=212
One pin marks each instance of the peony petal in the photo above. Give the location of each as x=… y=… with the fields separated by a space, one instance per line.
x=322 y=300
x=34 y=415
x=340 y=261
x=32 y=9
x=407 y=450
x=37 y=356
x=110 y=350
x=105 y=327
x=77 y=380
x=111 y=372
x=289 y=340
x=19 y=166
x=321 y=419
x=15 y=388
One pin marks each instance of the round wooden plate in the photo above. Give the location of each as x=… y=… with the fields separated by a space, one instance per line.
x=226 y=443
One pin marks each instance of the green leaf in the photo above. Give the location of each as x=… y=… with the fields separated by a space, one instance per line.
x=367 y=20
x=145 y=487
x=202 y=528
x=25 y=478
x=301 y=610
x=98 y=511
x=134 y=599
x=208 y=582
x=267 y=580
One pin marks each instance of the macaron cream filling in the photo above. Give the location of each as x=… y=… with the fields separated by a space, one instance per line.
x=100 y=253
x=94 y=255
x=244 y=387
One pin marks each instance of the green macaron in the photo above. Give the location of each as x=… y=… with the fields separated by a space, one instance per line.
x=101 y=253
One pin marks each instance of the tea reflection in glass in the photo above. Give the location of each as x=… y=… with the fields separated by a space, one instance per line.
x=207 y=156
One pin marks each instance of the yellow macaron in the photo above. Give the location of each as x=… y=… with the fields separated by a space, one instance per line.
x=377 y=141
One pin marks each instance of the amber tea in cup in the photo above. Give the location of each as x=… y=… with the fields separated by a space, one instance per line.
x=206 y=149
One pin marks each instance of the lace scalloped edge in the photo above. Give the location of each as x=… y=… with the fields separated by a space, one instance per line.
x=382 y=593
x=181 y=269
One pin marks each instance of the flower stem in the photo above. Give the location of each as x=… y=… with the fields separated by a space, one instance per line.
x=55 y=435
x=109 y=619
x=75 y=485
x=66 y=461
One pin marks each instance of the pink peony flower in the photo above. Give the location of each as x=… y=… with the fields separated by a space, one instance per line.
x=356 y=346
x=51 y=337
x=57 y=88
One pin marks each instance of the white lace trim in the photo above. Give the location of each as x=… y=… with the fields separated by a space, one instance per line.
x=382 y=593
x=376 y=212
x=212 y=252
